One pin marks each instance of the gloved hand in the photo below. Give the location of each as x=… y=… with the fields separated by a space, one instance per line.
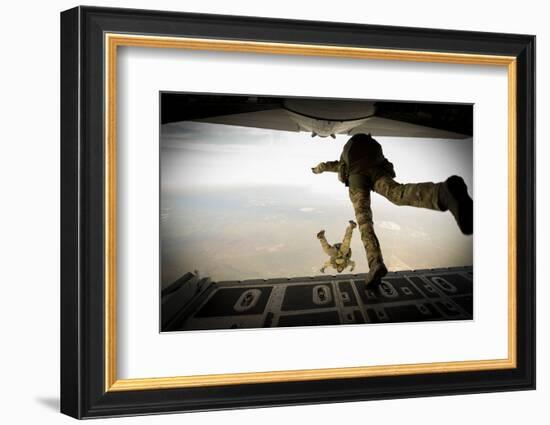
x=318 y=169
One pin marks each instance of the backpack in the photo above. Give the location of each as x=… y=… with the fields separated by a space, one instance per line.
x=381 y=166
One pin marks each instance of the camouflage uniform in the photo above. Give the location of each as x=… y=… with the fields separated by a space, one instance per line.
x=339 y=253
x=377 y=175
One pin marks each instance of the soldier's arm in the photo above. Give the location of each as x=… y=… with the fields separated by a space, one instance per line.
x=351 y=265
x=325 y=265
x=331 y=166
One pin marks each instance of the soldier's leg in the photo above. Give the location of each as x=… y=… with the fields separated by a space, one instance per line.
x=452 y=195
x=360 y=198
x=327 y=248
x=421 y=195
x=344 y=248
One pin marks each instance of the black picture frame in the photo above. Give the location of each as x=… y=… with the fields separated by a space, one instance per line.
x=83 y=393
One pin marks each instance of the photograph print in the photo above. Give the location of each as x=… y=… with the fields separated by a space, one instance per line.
x=292 y=211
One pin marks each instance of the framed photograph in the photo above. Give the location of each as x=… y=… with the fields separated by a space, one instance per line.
x=261 y=212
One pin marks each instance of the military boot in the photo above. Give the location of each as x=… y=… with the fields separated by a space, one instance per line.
x=453 y=196
x=376 y=272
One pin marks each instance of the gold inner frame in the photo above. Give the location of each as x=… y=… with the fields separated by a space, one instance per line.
x=113 y=41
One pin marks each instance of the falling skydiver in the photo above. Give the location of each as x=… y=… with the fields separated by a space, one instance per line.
x=339 y=253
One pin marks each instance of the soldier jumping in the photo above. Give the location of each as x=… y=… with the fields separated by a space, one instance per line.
x=363 y=168
x=339 y=253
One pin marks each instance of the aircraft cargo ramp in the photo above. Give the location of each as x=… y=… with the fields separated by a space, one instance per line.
x=193 y=303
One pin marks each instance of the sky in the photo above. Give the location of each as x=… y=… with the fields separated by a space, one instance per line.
x=241 y=203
